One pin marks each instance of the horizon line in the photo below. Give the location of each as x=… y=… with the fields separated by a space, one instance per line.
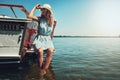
x=87 y=36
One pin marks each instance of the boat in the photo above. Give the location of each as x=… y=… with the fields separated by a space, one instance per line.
x=15 y=34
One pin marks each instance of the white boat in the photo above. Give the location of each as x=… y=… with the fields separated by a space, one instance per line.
x=15 y=34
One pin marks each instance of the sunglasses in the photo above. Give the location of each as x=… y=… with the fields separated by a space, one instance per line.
x=44 y=9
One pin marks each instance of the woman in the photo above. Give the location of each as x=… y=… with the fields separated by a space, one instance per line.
x=43 y=40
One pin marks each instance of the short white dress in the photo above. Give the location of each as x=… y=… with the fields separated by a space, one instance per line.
x=43 y=39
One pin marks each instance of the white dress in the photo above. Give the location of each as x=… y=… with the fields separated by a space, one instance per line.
x=43 y=39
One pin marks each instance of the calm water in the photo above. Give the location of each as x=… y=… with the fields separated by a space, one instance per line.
x=76 y=59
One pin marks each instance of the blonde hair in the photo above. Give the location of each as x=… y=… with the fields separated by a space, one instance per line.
x=49 y=18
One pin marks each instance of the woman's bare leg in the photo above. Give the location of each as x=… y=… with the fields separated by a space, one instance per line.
x=48 y=58
x=40 y=54
x=47 y=61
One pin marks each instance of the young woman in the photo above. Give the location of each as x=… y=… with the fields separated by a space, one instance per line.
x=43 y=41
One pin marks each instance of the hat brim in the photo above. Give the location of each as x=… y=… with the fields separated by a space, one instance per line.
x=51 y=11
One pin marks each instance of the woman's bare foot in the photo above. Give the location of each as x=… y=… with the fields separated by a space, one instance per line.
x=42 y=72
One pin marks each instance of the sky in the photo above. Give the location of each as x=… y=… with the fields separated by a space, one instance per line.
x=80 y=17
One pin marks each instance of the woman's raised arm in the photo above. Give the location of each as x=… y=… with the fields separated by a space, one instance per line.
x=31 y=14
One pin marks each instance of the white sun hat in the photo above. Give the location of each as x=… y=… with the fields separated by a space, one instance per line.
x=48 y=7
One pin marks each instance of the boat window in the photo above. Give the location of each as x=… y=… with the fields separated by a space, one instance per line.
x=6 y=12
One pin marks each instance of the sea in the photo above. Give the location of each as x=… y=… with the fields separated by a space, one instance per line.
x=75 y=59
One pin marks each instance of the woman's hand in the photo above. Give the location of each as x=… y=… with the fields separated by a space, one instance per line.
x=38 y=6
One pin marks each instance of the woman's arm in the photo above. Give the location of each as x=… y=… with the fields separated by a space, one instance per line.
x=31 y=14
x=54 y=26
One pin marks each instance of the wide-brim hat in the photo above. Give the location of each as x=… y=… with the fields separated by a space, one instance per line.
x=48 y=7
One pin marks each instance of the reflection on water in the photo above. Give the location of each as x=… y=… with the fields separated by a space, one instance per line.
x=9 y=72
x=75 y=59
x=28 y=73
x=33 y=74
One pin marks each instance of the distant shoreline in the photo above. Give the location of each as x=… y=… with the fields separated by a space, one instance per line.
x=87 y=36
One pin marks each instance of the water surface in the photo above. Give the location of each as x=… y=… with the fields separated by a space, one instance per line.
x=76 y=59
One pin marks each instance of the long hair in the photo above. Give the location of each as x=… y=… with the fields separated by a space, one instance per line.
x=49 y=18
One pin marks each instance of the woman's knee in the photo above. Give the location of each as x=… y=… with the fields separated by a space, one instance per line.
x=40 y=51
x=50 y=51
